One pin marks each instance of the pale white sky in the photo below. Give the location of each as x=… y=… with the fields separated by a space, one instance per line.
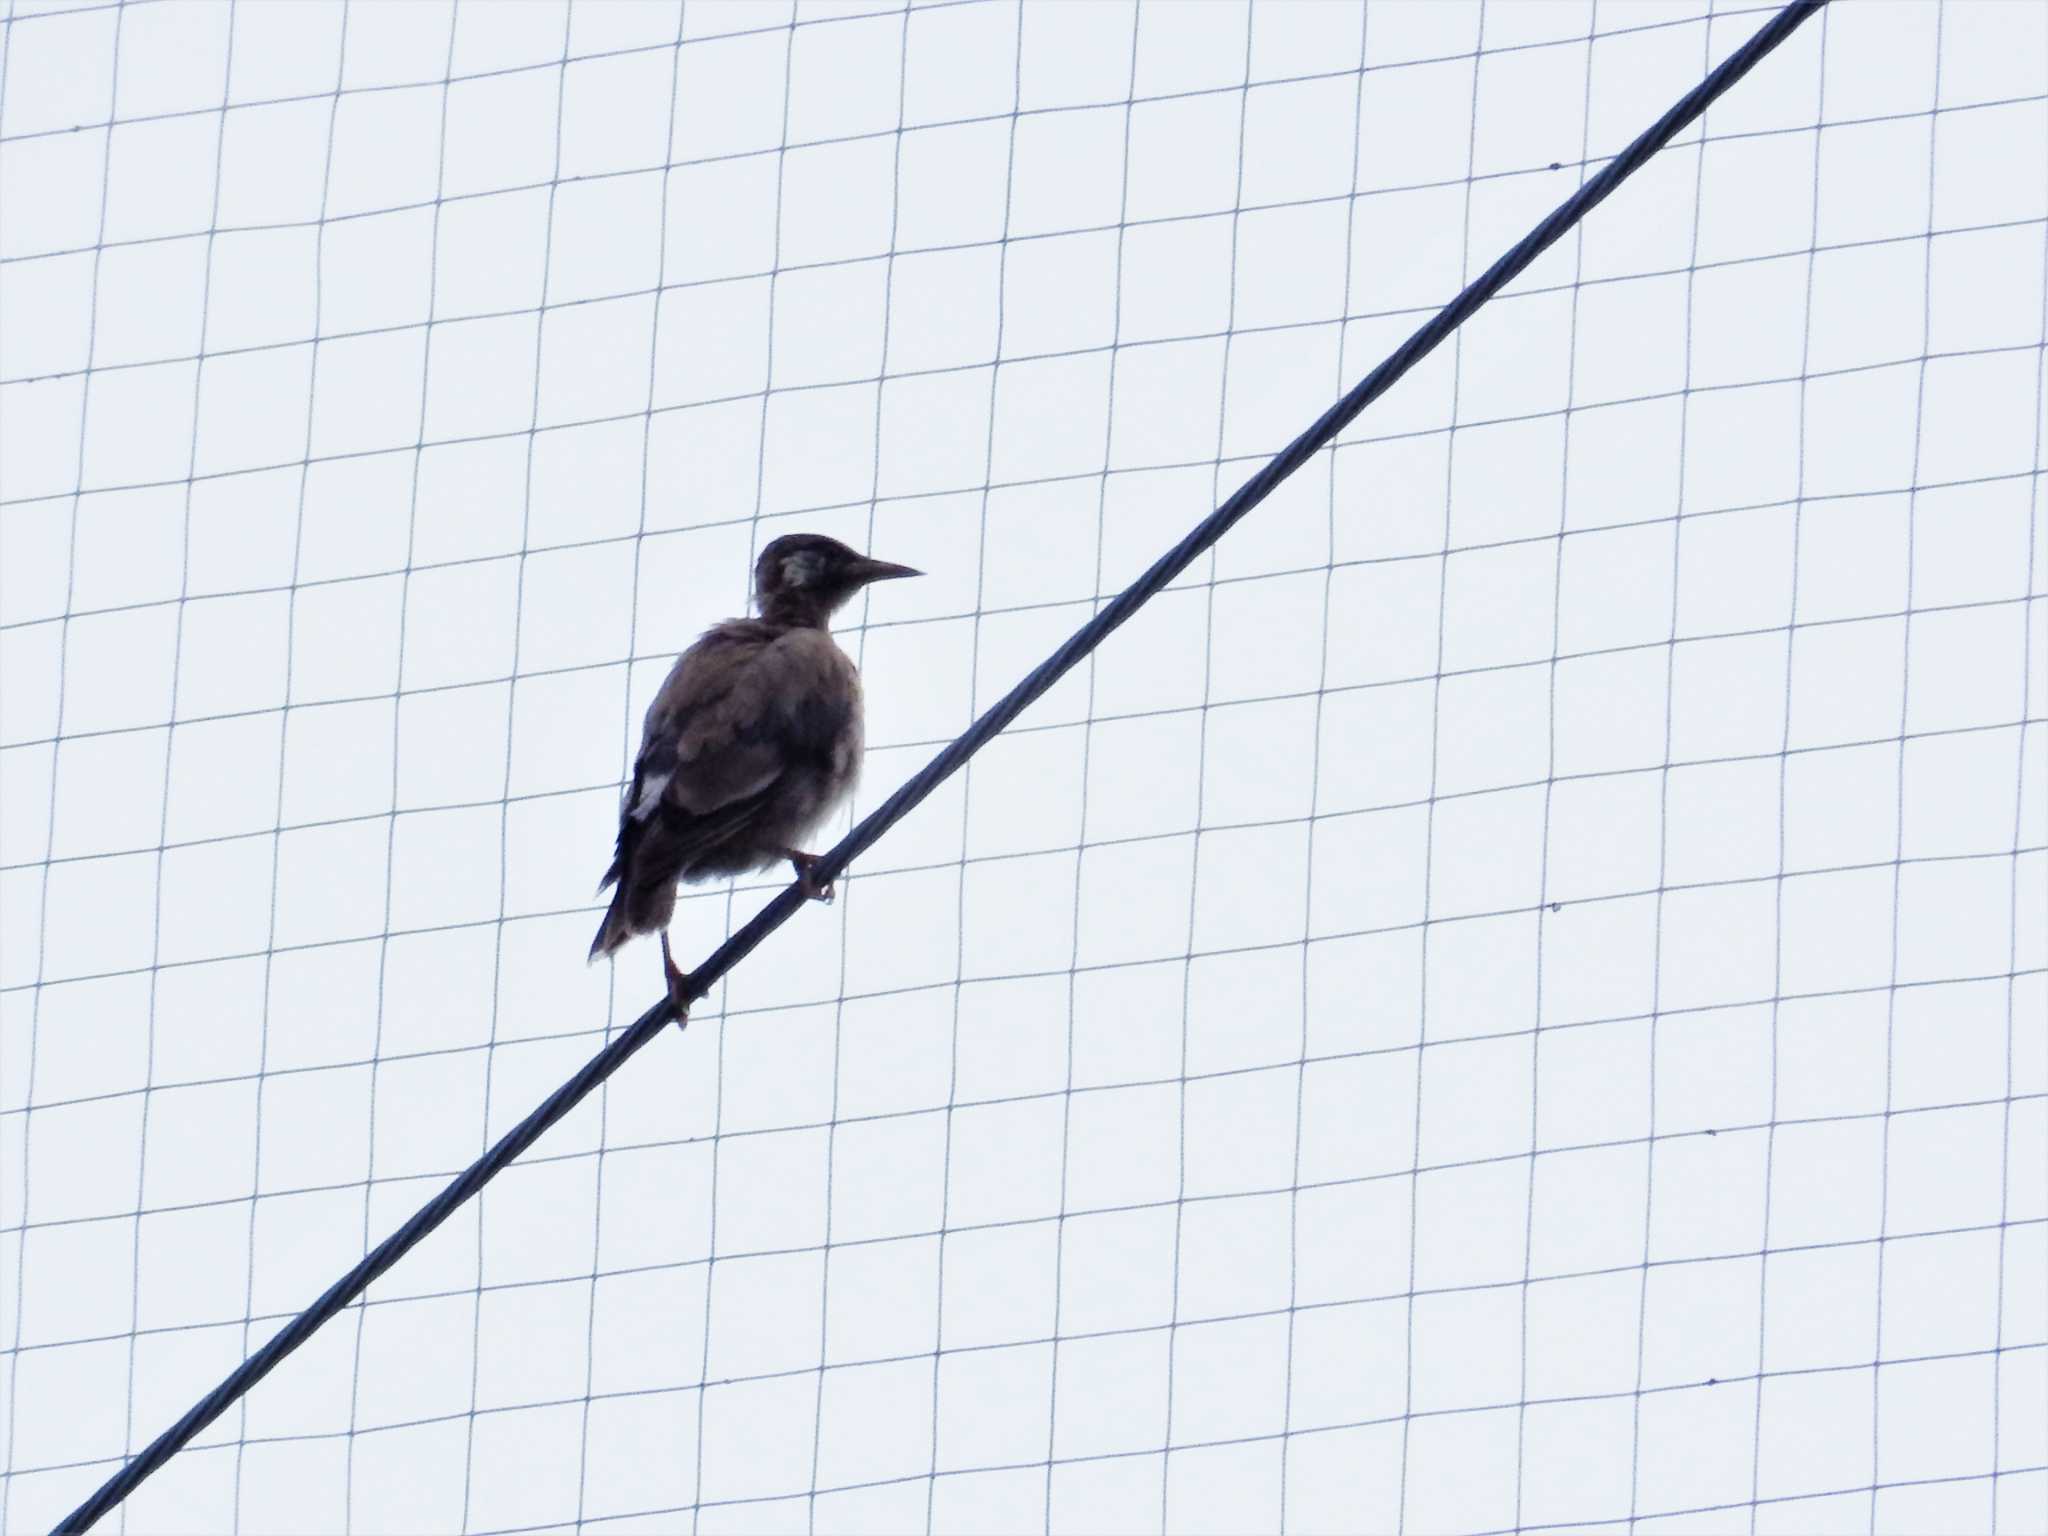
x=1428 y=1029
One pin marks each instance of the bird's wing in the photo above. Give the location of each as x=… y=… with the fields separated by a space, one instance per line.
x=748 y=718
x=711 y=738
x=740 y=705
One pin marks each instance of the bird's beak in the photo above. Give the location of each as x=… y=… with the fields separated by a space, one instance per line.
x=866 y=570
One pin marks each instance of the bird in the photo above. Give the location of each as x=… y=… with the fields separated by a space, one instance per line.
x=752 y=741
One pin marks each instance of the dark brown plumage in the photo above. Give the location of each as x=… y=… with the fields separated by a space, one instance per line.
x=754 y=737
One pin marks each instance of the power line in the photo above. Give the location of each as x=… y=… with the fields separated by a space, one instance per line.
x=920 y=785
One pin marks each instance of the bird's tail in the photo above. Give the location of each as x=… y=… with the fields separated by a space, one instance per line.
x=614 y=930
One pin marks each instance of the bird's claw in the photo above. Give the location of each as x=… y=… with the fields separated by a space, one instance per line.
x=678 y=985
x=806 y=867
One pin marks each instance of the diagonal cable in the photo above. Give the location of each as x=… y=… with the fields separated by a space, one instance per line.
x=1084 y=640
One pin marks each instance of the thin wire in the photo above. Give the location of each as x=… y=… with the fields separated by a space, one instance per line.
x=1565 y=1528
x=283 y=746
x=718 y=1131
x=1187 y=964
x=988 y=464
x=1315 y=783
x=605 y=54
x=156 y=949
x=1550 y=790
x=912 y=989
x=35 y=1017
x=384 y=87
x=626 y=748
x=1692 y=256
x=1039 y=1095
x=1717 y=883
x=1763 y=1272
x=2019 y=811
x=1891 y=1003
x=1465 y=1288
x=614 y=418
x=1088 y=724
x=845 y=912
x=1033 y=482
x=540 y=340
x=1581 y=166
x=914 y=791
x=609 y=787
x=412 y=511
x=1436 y=696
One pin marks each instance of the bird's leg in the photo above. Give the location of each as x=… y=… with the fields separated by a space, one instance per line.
x=678 y=983
x=805 y=865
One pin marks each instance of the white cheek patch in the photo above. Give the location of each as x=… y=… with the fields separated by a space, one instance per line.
x=800 y=570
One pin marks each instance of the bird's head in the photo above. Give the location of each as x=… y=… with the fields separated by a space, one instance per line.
x=805 y=578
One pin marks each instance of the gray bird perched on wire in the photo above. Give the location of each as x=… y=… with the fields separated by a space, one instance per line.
x=754 y=737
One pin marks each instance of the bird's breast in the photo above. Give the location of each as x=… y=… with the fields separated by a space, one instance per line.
x=822 y=723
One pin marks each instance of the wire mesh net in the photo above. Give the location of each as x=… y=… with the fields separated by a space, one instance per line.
x=1510 y=997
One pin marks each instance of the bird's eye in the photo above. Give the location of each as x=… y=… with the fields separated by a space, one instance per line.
x=801 y=569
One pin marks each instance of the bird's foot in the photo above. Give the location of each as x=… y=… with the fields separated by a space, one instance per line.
x=678 y=984
x=806 y=867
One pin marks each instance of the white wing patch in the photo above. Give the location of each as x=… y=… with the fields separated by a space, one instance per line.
x=650 y=797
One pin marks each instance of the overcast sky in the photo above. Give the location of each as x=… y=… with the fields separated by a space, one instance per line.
x=1511 y=996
